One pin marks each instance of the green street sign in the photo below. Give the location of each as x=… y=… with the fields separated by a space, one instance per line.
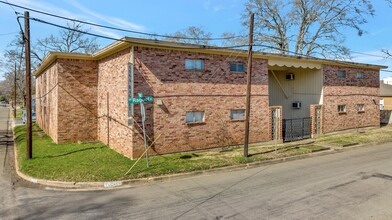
x=141 y=99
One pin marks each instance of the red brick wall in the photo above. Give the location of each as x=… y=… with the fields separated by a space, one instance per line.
x=280 y=122
x=77 y=100
x=113 y=128
x=313 y=114
x=350 y=92
x=47 y=101
x=215 y=91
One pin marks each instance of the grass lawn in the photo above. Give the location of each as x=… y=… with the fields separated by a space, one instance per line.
x=97 y=162
x=19 y=113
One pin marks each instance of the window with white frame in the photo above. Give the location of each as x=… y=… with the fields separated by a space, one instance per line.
x=341 y=74
x=237 y=114
x=360 y=76
x=194 y=117
x=194 y=64
x=341 y=108
x=360 y=107
x=237 y=67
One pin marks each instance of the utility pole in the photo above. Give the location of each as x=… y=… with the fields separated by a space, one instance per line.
x=15 y=91
x=29 y=140
x=248 y=85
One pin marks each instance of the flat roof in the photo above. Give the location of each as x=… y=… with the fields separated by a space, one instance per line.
x=128 y=42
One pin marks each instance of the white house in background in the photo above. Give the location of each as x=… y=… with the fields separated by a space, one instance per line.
x=388 y=80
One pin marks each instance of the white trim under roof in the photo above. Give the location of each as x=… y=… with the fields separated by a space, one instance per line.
x=293 y=63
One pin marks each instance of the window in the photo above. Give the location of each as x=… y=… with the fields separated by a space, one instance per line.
x=194 y=117
x=341 y=74
x=238 y=114
x=360 y=75
x=360 y=107
x=237 y=67
x=191 y=64
x=341 y=108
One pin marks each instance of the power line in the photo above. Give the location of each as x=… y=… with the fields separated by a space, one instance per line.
x=182 y=47
x=16 y=14
x=128 y=41
x=3 y=34
x=118 y=29
x=371 y=55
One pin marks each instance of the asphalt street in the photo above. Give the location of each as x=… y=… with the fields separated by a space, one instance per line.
x=354 y=184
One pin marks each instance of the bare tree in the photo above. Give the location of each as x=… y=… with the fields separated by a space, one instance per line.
x=14 y=55
x=307 y=27
x=68 y=40
x=191 y=35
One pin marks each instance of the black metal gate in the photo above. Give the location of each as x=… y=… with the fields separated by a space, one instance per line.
x=296 y=129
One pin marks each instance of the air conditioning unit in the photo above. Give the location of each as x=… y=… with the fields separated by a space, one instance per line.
x=290 y=76
x=297 y=105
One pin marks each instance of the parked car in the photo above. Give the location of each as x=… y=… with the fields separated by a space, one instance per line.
x=24 y=116
x=3 y=104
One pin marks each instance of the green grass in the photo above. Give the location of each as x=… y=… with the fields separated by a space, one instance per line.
x=372 y=135
x=314 y=147
x=97 y=162
x=71 y=161
x=19 y=113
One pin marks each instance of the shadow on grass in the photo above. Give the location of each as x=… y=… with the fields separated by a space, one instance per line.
x=73 y=152
x=189 y=156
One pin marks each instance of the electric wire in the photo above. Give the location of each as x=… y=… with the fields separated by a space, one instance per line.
x=3 y=34
x=150 y=34
x=186 y=46
x=117 y=29
x=195 y=46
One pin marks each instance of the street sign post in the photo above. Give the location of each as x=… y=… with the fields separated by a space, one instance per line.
x=141 y=100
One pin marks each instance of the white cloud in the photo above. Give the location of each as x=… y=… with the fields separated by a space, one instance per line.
x=108 y=19
x=219 y=7
x=86 y=15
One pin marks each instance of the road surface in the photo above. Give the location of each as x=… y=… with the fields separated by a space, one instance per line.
x=355 y=184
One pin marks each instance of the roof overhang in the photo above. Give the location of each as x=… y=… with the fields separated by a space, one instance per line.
x=277 y=60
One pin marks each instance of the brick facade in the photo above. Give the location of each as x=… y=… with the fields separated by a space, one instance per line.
x=67 y=100
x=47 y=101
x=313 y=114
x=86 y=99
x=350 y=91
x=215 y=91
x=113 y=128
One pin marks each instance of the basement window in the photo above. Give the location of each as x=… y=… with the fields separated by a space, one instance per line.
x=192 y=117
x=237 y=114
x=237 y=67
x=194 y=64
x=341 y=74
x=342 y=108
x=361 y=108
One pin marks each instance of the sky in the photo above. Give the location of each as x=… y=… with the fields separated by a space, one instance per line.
x=169 y=16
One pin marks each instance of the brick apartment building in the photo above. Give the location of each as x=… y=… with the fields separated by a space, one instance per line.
x=199 y=96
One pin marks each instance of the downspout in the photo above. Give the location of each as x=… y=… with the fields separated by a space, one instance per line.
x=131 y=67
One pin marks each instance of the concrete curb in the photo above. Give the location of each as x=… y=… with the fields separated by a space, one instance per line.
x=91 y=186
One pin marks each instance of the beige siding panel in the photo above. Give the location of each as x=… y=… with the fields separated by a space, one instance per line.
x=305 y=88
x=387 y=103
